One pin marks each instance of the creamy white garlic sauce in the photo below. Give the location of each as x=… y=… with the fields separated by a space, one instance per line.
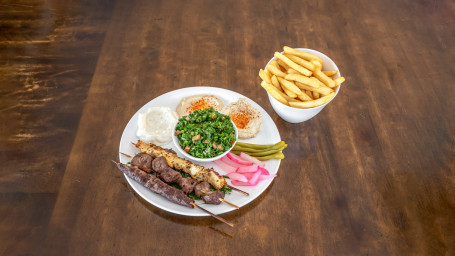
x=156 y=125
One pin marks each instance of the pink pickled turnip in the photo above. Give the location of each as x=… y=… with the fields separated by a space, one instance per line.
x=237 y=176
x=228 y=161
x=255 y=179
x=239 y=183
x=244 y=169
x=224 y=166
x=252 y=159
x=263 y=171
x=238 y=160
x=240 y=167
x=266 y=177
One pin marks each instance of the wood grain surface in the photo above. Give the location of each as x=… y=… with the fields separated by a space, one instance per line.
x=372 y=174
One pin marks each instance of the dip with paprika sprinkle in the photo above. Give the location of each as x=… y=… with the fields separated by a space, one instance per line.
x=189 y=104
x=246 y=118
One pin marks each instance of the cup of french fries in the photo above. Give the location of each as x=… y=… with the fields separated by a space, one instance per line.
x=300 y=82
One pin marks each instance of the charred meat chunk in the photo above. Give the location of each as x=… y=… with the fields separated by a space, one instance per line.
x=159 y=164
x=142 y=160
x=201 y=188
x=187 y=184
x=169 y=176
x=213 y=197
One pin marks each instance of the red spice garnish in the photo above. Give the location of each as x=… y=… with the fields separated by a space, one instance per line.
x=200 y=104
x=240 y=119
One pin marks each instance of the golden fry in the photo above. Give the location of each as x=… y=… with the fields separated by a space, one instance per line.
x=283 y=65
x=302 y=79
x=290 y=86
x=323 y=90
x=315 y=95
x=306 y=64
x=289 y=99
x=264 y=76
x=313 y=103
x=289 y=93
x=292 y=71
x=317 y=65
x=330 y=72
x=319 y=82
x=339 y=80
x=292 y=64
x=308 y=92
x=303 y=55
x=275 y=83
x=274 y=92
x=276 y=71
x=323 y=78
x=304 y=97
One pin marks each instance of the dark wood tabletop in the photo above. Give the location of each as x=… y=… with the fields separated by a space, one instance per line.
x=372 y=174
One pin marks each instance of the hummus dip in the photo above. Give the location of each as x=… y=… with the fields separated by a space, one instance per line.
x=189 y=104
x=247 y=118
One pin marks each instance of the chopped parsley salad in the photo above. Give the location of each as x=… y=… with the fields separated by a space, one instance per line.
x=205 y=133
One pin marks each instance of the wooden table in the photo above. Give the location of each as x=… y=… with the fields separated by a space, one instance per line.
x=372 y=174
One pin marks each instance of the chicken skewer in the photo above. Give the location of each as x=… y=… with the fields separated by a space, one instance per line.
x=158 y=186
x=197 y=172
x=164 y=172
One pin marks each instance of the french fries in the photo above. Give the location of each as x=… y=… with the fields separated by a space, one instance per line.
x=306 y=64
x=303 y=55
x=275 y=70
x=275 y=82
x=292 y=64
x=323 y=78
x=274 y=92
x=264 y=76
x=302 y=79
x=295 y=79
x=339 y=80
x=283 y=65
x=321 y=90
x=290 y=86
x=330 y=72
x=312 y=103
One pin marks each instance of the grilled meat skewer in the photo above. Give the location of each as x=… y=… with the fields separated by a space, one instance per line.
x=188 y=184
x=148 y=164
x=158 y=186
x=160 y=166
x=169 y=175
x=197 y=172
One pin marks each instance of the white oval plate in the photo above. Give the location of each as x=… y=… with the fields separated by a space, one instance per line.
x=268 y=134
